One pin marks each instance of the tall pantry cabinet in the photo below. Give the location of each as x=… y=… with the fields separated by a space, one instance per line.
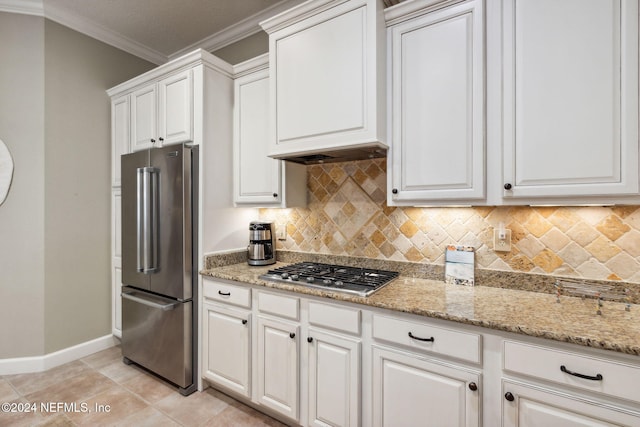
x=187 y=100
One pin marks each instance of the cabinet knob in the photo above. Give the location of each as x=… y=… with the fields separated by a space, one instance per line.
x=509 y=396
x=244 y=321
x=309 y=339
x=508 y=186
x=161 y=139
x=292 y=335
x=473 y=386
x=275 y=195
x=394 y=191
x=153 y=140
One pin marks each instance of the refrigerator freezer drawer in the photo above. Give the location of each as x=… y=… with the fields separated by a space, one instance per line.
x=157 y=334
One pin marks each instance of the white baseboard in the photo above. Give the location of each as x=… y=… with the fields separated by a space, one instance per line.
x=23 y=365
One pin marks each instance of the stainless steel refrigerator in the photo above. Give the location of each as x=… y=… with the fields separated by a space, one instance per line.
x=159 y=265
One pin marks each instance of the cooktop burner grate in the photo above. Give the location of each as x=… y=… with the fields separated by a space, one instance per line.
x=355 y=280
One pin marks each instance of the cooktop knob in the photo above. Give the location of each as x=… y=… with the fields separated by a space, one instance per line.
x=294 y=277
x=339 y=283
x=326 y=281
x=311 y=279
x=285 y=275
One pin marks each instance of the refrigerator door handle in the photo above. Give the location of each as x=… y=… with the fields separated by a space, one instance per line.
x=147 y=220
x=147 y=302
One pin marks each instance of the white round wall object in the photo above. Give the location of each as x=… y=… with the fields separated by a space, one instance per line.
x=6 y=171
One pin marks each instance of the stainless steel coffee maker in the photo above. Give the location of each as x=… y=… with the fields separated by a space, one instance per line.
x=262 y=243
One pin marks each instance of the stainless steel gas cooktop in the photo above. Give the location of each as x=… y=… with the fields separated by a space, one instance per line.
x=339 y=278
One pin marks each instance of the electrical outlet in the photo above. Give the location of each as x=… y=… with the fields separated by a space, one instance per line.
x=281 y=233
x=501 y=243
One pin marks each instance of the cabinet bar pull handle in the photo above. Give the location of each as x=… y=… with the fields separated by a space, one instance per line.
x=432 y=339
x=224 y=294
x=598 y=377
x=509 y=396
x=292 y=335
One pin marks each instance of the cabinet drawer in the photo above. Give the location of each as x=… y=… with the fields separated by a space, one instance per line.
x=227 y=293
x=604 y=376
x=279 y=305
x=334 y=317
x=426 y=338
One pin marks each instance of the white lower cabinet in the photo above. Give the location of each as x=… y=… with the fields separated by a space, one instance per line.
x=576 y=377
x=334 y=379
x=227 y=355
x=409 y=390
x=526 y=405
x=278 y=365
x=312 y=361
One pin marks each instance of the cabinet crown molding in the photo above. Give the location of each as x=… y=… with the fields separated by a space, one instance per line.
x=198 y=56
x=411 y=9
x=252 y=65
x=299 y=13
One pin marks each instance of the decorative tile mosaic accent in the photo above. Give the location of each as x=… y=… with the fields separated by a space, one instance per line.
x=348 y=215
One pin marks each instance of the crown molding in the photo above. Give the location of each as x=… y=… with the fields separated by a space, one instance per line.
x=252 y=65
x=218 y=40
x=238 y=31
x=25 y=7
x=103 y=34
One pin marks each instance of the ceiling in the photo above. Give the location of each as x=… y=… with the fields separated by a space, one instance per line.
x=157 y=30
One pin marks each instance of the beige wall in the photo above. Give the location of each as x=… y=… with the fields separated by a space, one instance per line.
x=79 y=70
x=55 y=289
x=22 y=214
x=244 y=49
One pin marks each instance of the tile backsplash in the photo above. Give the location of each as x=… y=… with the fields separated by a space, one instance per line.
x=347 y=214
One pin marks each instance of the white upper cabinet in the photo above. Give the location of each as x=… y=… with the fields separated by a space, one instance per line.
x=258 y=179
x=570 y=98
x=437 y=116
x=327 y=77
x=162 y=112
x=120 y=135
x=175 y=115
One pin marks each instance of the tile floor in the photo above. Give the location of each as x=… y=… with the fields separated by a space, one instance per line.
x=134 y=397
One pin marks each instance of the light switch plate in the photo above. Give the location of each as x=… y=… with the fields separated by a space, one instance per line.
x=501 y=245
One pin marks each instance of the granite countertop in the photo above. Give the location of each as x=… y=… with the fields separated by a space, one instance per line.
x=537 y=314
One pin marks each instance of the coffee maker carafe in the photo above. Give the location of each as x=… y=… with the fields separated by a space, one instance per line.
x=262 y=244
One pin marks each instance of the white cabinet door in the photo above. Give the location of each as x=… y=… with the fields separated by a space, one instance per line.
x=120 y=135
x=570 y=88
x=116 y=300
x=325 y=74
x=257 y=177
x=278 y=365
x=227 y=348
x=530 y=406
x=116 y=262
x=437 y=115
x=175 y=108
x=409 y=391
x=144 y=117
x=334 y=380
